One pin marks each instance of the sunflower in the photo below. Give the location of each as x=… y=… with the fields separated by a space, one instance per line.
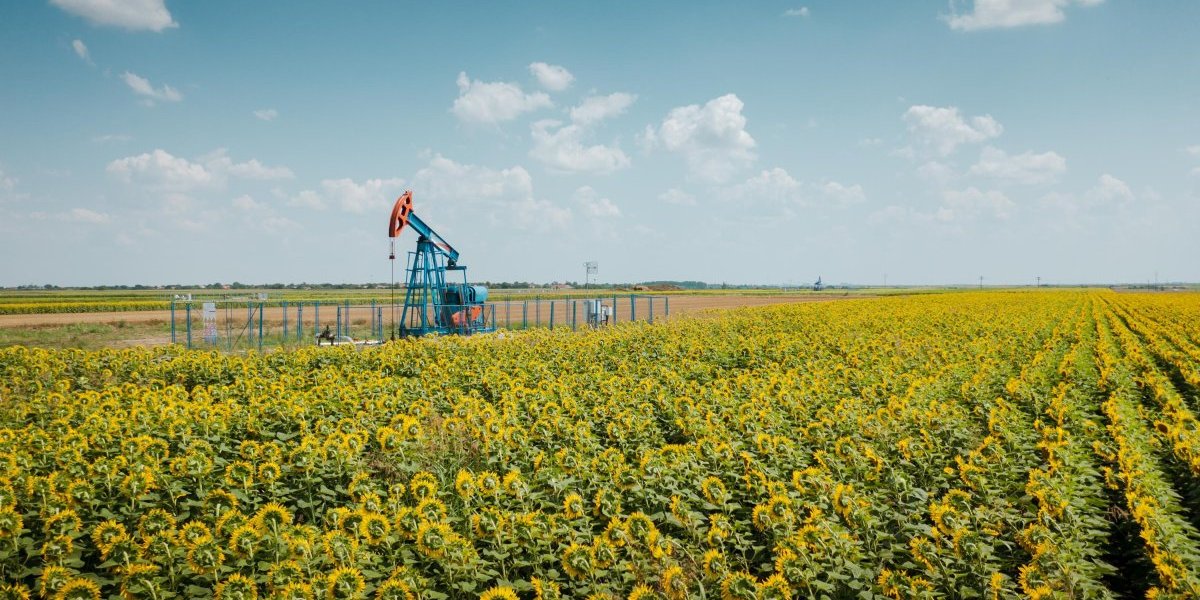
x=774 y=587
x=488 y=482
x=739 y=585
x=641 y=592
x=106 y=535
x=423 y=485
x=576 y=561
x=239 y=474
x=714 y=564
x=432 y=538
x=58 y=548
x=394 y=589
x=272 y=517
x=607 y=503
x=464 y=484
x=78 y=589
x=218 y=502
x=205 y=556
x=374 y=527
x=53 y=578
x=573 y=506
x=500 y=592
x=339 y=547
x=344 y=582
x=406 y=522
x=431 y=509
x=155 y=521
x=545 y=590
x=487 y=523
x=236 y=587
x=514 y=485
x=674 y=585
x=269 y=471
x=284 y=573
x=294 y=591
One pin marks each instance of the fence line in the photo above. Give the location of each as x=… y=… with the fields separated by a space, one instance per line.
x=248 y=324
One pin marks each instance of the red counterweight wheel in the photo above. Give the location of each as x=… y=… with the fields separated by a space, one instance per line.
x=400 y=212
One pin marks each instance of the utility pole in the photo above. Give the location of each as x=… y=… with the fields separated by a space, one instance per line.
x=1039 y=279
x=981 y=282
x=590 y=269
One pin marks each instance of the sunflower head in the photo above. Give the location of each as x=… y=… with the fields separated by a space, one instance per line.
x=577 y=561
x=374 y=527
x=545 y=590
x=52 y=579
x=284 y=573
x=674 y=584
x=205 y=556
x=739 y=585
x=394 y=588
x=78 y=588
x=236 y=587
x=272 y=517
x=344 y=583
x=464 y=484
x=573 y=506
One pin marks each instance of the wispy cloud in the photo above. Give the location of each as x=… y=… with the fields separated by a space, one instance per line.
x=134 y=15
x=142 y=87
x=81 y=50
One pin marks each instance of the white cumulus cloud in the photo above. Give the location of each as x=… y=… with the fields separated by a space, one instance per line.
x=564 y=147
x=85 y=215
x=370 y=195
x=944 y=129
x=993 y=14
x=142 y=87
x=561 y=147
x=505 y=195
x=972 y=203
x=266 y=114
x=843 y=194
x=134 y=15
x=494 y=102
x=1024 y=168
x=678 y=197
x=1110 y=189
x=552 y=77
x=593 y=205
x=796 y=12
x=712 y=138
x=160 y=169
x=597 y=108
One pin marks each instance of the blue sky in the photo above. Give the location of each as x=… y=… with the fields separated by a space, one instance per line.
x=770 y=142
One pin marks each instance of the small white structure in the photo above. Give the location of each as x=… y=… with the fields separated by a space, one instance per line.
x=597 y=313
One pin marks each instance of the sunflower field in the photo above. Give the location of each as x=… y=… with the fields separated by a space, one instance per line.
x=970 y=445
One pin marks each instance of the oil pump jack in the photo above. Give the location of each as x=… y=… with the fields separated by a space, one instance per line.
x=433 y=305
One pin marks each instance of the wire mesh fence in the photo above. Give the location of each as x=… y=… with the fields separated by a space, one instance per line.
x=254 y=323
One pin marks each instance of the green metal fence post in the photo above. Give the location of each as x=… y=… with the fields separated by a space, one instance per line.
x=551 y=314
x=651 y=301
x=632 y=308
x=188 y=306
x=172 y=320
